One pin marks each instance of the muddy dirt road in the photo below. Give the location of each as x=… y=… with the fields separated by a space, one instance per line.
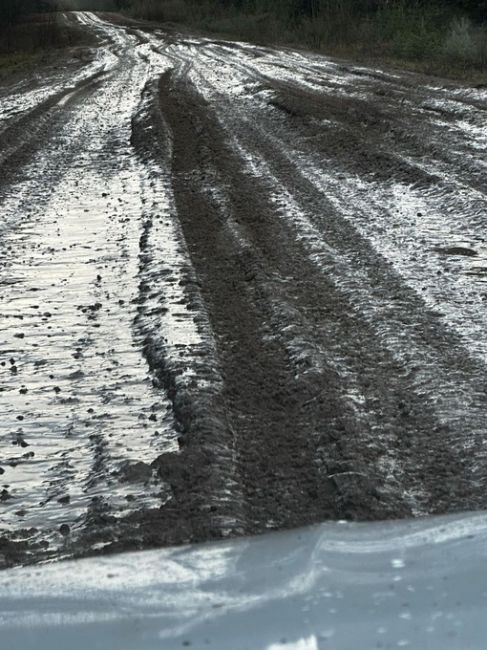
x=240 y=289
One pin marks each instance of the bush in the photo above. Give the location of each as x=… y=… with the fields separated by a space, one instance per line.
x=433 y=34
x=332 y=24
x=38 y=32
x=177 y=11
x=466 y=44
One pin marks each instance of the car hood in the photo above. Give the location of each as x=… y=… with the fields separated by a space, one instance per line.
x=418 y=584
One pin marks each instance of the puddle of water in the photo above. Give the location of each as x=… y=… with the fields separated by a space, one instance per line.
x=78 y=401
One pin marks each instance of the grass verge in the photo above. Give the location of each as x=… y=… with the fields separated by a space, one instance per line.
x=26 y=44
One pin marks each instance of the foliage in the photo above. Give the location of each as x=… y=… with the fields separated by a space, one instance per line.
x=439 y=35
x=466 y=44
x=11 y=10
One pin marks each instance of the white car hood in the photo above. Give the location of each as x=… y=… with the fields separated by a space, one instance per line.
x=419 y=584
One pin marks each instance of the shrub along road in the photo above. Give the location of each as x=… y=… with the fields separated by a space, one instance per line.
x=241 y=289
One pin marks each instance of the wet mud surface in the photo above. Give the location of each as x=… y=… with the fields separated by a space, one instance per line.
x=241 y=289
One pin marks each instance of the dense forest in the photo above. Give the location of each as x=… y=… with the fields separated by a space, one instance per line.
x=435 y=35
x=29 y=27
x=11 y=10
x=447 y=36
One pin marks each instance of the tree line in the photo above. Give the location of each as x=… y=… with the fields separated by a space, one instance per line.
x=12 y=10
x=310 y=8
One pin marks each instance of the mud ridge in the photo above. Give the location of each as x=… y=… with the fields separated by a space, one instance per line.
x=262 y=398
x=204 y=471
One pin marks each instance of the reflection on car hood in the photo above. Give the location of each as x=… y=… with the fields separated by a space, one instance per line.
x=418 y=584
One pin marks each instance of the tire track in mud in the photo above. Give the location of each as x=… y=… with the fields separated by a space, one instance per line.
x=387 y=384
x=370 y=440
x=184 y=360
x=226 y=340
x=25 y=142
x=447 y=439
x=286 y=478
x=40 y=114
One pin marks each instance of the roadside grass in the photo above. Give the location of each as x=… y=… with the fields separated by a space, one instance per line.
x=37 y=38
x=37 y=33
x=428 y=37
x=14 y=61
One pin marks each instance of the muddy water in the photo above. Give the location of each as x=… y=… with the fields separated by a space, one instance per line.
x=80 y=408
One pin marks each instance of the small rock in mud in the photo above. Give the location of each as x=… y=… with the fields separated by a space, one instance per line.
x=135 y=472
x=457 y=250
x=40 y=362
x=64 y=529
x=5 y=495
x=78 y=374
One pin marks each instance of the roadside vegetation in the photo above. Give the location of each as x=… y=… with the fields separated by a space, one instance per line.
x=448 y=36
x=32 y=28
